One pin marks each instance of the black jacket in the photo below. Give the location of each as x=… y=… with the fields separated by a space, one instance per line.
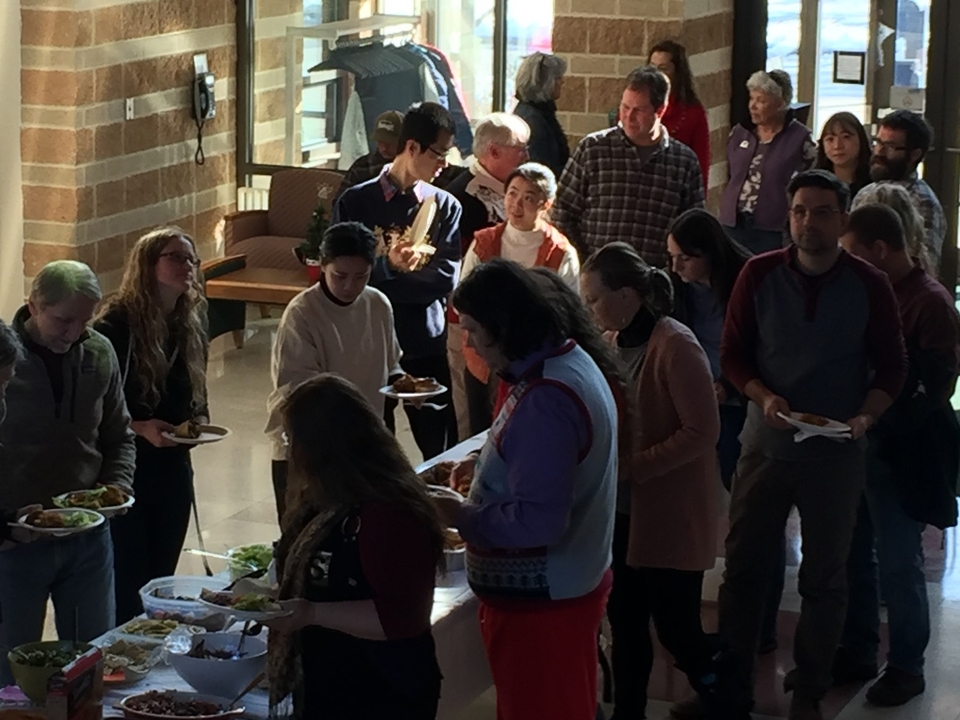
x=548 y=142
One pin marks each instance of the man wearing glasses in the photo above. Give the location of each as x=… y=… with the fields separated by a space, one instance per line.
x=813 y=330
x=417 y=283
x=902 y=142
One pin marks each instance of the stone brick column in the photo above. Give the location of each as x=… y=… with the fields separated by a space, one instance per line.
x=603 y=40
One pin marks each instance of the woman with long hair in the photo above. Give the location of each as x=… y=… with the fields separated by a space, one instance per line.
x=156 y=325
x=666 y=524
x=914 y=232
x=685 y=117
x=844 y=149
x=357 y=564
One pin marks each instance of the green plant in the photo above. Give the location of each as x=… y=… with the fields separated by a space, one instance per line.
x=309 y=249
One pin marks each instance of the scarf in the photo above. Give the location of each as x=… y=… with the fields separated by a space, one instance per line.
x=488 y=190
x=304 y=534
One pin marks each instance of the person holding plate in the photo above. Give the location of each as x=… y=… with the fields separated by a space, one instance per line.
x=156 y=325
x=418 y=226
x=357 y=564
x=68 y=429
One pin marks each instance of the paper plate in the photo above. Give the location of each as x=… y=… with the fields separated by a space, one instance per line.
x=61 y=501
x=831 y=428
x=244 y=615
x=391 y=393
x=208 y=434
x=423 y=221
x=96 y=521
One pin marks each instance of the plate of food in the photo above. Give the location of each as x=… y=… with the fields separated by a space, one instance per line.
x=408 y=387
x=247 y=558
x=256 y=606
x=108 y=500
x=192 y=432
x=170 y=704
x=815 y=424
x=126 y=662
x=153 y=632
x=61 y=522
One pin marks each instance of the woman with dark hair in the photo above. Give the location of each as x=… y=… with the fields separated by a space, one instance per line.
x=156 y=326
x=666 y=524
x=543 y=491
x=685 y=117
x=340 y=325
x=357 y=564
x=844 y=149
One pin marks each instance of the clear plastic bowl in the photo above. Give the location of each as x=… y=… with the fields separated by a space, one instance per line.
x=176 y=598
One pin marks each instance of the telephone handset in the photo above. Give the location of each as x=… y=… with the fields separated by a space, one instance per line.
x=204 y=103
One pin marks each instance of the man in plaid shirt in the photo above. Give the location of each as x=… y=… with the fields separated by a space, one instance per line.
x=629 y=182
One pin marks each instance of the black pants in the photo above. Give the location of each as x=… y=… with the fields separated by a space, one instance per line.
x=148 y=540
x=671 y=598
x=433 y=430
x=480 y=399
x=278 y=469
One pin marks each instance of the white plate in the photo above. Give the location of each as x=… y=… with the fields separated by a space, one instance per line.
x=188 y=696
x=391 y=393
x=107 y=512
x=831 y=428
x=208 y=434
x=423 y=221
x=445 y=492
x=98 y=520
x=245 y=615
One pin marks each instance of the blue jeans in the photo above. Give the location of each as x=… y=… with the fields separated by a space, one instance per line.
x=76 y=571
x=896 y=566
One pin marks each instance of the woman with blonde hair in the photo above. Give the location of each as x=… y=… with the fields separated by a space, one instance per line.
x=156 y=325
x=898 y=199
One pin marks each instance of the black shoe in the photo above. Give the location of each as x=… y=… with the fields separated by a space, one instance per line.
x=847 y=671
x=895 y=687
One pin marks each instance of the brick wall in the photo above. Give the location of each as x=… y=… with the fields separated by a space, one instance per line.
x=603 y=40
x=270 y=51
x=93 y=181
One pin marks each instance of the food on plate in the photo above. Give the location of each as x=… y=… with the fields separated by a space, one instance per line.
x=438 y=474
x=811 y=419
x=46 y=657
x=249 y=602
x=50 y=520
x=189 y=430
x=200 y=652
x=105 y=496
x=452 y=540
x=411 y=384
x=251 y=557
x=161 y=703
x=123 y=654
x=156 y=629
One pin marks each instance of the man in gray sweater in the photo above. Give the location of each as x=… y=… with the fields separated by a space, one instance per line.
x=67 y=428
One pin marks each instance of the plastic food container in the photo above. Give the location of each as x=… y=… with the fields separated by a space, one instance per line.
x=177 y=598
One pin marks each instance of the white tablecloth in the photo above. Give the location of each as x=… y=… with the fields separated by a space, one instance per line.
x=456 y=630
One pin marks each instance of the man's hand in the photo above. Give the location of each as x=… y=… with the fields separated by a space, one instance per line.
x=403 y=257
x=859 y=424
x=151 y=430
x=21 y=534
x=772 y=405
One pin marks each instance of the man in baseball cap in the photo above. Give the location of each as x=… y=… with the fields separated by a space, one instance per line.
x=386 y=133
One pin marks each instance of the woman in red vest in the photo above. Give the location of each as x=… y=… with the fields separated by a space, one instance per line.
x=527 y=239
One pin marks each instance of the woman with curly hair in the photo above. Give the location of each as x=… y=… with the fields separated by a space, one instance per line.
x=914 y=232
x=156 y=325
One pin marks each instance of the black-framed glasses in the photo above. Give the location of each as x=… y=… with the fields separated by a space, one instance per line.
x=439 y=155
x=886 y=146
x=182 y=259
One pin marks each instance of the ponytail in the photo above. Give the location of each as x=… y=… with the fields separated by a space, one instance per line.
x=620 y=266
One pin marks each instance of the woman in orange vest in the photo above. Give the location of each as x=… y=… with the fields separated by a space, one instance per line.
x=527 y=239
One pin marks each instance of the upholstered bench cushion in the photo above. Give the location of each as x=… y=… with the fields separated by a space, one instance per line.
x=268 y=251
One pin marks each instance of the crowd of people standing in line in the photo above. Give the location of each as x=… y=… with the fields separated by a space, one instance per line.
x=620 y=394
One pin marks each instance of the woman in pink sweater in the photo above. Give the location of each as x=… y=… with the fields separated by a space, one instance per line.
x=666 y=528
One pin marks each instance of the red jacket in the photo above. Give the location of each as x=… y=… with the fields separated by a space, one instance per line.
x=688 y=124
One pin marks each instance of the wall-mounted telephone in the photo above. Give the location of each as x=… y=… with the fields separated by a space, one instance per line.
x=204 y=103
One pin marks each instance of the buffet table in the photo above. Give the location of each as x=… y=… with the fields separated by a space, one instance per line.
x=456 y=630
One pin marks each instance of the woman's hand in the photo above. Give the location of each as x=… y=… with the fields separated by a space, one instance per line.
x=462 y=473
x=302 y=614
x=151 y=431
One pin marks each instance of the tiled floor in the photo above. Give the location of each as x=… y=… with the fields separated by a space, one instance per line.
x=236 y=506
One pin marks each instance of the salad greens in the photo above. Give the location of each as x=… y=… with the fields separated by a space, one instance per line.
x=253 y=603
x=251 y=557
x=49 y=657
x=78 y=519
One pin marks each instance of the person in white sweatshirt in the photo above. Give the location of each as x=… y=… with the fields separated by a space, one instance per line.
x=340 y=325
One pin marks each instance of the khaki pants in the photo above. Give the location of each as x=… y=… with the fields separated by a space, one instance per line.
x=827 y=493
x=458 y=389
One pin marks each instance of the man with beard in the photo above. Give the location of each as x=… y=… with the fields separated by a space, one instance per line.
x=810 y=329
x=902 y=142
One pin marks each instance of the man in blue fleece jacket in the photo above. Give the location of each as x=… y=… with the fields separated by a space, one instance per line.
x=417 y=284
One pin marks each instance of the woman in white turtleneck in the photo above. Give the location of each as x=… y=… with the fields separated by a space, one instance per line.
x=527 y=239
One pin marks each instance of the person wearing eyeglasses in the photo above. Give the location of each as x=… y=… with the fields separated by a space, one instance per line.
x=901 y=144
x=156 y=325
x=67 y=429
x=809 y=329
x=416 y=282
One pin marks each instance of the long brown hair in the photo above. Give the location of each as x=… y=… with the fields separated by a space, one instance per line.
x=342 y=454
x=682 y=86
x=139 y=297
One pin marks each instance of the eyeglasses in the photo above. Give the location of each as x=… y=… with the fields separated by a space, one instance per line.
x=181 y=259
x=439 y=155
x=818 y=213
x=886 y=146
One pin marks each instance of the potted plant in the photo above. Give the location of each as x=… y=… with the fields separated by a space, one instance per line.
x=308 y=252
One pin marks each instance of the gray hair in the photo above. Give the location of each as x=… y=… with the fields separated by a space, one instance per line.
x=898 y=199
x=62 y=279
x=775 y=82
x=10 y=348
x=499 y=128
x=538 y=75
